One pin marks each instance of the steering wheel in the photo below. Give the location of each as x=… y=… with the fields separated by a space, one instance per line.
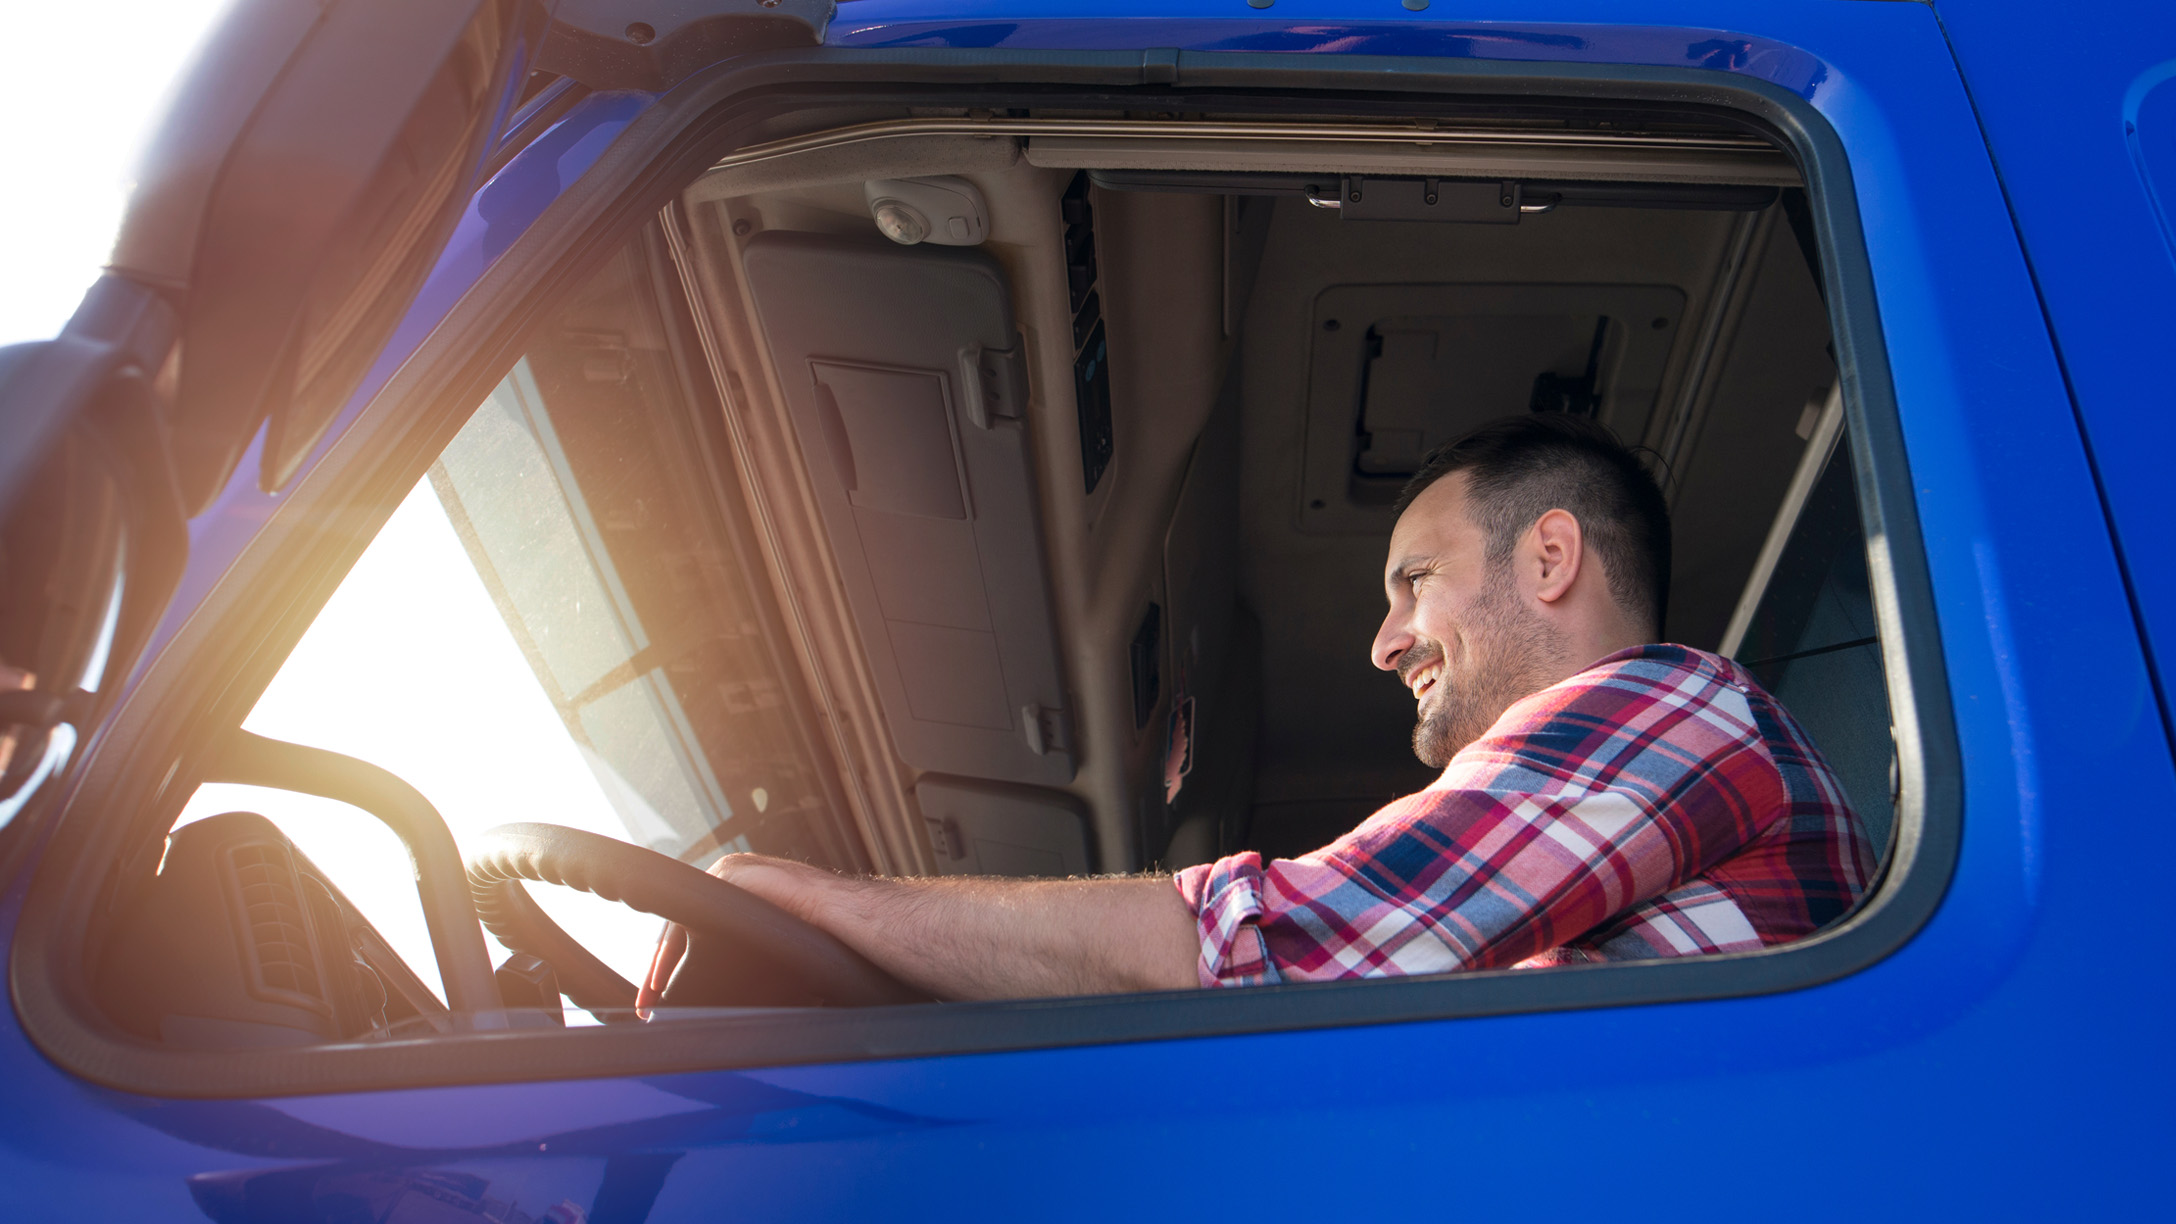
x=742 y=950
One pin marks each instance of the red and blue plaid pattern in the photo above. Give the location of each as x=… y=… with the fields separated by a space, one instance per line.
x=1658 y=804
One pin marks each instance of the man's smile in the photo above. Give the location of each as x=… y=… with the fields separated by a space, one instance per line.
x=1422 y=671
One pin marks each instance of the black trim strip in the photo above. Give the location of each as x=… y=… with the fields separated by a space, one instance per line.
x=212 y=675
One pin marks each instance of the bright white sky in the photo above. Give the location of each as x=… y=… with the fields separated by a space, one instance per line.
x=73 y=130
x=410 y=666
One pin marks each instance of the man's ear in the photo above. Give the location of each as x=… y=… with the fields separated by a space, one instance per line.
x=1558 y=550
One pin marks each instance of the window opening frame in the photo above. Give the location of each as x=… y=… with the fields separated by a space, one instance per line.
x=148 y=764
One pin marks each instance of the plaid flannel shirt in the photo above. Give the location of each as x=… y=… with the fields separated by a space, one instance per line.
x=1657 y=804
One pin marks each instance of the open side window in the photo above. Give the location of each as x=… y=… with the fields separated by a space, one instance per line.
x=923 y=560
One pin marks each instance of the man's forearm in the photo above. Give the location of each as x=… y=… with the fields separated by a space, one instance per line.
x=985 y=938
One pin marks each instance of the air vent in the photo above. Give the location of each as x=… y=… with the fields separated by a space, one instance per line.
x=278 y=948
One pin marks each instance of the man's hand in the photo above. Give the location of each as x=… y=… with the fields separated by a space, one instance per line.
x=977 y=937
x=745 y=871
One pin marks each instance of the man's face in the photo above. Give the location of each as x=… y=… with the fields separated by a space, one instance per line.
x=1459 y=633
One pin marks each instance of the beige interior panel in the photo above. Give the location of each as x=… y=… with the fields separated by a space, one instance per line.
x=1760 y=167
x=1323 y=738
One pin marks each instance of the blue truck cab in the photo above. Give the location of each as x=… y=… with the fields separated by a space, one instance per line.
x=524 y=445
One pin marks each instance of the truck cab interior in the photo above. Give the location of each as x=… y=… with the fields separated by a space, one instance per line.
x=934 y=489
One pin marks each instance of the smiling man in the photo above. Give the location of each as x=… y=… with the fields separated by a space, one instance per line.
x=1602 y=797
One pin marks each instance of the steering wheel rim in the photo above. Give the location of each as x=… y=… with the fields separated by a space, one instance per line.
x=805 y=954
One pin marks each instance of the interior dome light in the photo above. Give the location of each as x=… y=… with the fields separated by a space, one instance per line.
x=944 y=210
x=900 y=222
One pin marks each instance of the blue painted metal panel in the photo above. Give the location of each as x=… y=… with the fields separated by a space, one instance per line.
x=2149 y=121
x=2006 y=1062
x=2083 y=131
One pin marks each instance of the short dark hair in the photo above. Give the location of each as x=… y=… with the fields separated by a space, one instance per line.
x=1519 y=468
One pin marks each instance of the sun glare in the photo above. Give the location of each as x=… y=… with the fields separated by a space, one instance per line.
x=410 y=667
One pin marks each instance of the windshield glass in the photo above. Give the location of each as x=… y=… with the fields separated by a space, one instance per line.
x=557 y=625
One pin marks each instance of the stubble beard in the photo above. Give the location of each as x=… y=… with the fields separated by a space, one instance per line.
x=1511 y=653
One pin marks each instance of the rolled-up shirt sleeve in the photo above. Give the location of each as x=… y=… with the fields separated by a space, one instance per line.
x=1226 y=897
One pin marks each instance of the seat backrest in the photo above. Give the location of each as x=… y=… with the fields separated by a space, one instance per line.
x=1812 y=643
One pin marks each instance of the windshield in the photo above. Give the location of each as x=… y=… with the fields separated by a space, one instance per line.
x=557 y=626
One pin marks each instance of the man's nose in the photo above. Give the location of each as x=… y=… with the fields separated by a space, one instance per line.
x=1391 y=642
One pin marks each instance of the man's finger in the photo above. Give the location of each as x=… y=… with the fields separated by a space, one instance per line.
x=672 y=944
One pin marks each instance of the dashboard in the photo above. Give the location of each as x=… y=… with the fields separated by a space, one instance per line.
x=241 y=941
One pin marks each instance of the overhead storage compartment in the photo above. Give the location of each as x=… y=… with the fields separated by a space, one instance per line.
x=904 y=378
